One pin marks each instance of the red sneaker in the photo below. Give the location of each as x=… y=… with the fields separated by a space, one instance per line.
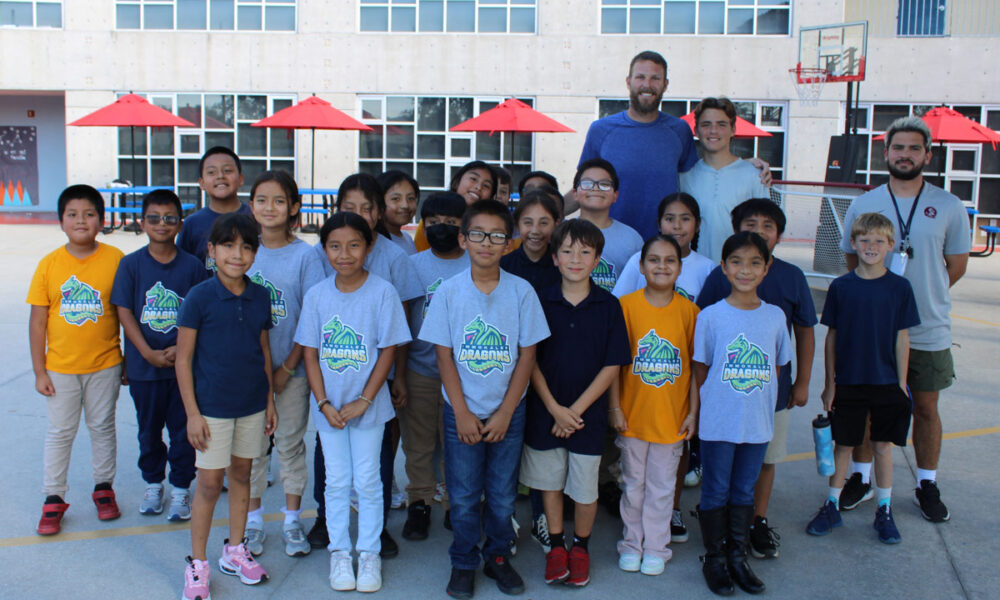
x=579 y=567
x=107 y=508
x=556 y=569
x=52 y=515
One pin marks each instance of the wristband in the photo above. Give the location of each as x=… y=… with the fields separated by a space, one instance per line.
x=287 y=370
x=362 y=397
x=321 y=403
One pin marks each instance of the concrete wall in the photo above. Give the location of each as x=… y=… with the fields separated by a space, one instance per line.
x=49 y=121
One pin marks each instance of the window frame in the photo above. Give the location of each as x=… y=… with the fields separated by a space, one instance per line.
x=755 y=6
x=34 y=16
x=388 y=5
x=263 y=5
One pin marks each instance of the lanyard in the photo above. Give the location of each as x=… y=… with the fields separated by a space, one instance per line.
x=904 y=229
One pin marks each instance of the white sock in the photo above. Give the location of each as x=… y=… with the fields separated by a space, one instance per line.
x=256 y=516
x=928 y=474
x=884 y=495
x=291 y=516
x=864 y=468
x=834 y=495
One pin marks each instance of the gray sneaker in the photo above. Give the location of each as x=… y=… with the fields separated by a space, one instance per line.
x=180 y=505
x=152 y=500
x=296 y=543
x=255 y=537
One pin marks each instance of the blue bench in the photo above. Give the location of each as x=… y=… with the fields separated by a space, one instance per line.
x=991 y=240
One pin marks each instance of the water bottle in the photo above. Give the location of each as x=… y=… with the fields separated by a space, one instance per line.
x=823 y=438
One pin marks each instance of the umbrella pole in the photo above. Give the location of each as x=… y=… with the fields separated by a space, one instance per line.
x=134 y=226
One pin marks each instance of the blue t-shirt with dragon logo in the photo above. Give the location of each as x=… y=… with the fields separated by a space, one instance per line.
x=742 y=348
x=153 y=292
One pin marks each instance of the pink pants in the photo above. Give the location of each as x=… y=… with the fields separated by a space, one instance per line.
x=649 y=471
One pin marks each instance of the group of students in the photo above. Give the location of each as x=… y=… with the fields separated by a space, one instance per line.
x=508 y=344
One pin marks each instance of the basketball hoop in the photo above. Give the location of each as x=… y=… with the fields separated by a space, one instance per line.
x=809 y=83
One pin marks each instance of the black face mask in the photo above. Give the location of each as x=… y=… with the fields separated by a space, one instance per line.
x=442 y=237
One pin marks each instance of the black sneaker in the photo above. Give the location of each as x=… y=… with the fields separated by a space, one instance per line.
x=318 y=536
x=462 y=583
x=390 y=549
x=610 y=497
x=418 y=521
x=678 y=530
x=855 y=492
x=763 y=539
x=508 y=581
x=928 y=498
x=540 y=533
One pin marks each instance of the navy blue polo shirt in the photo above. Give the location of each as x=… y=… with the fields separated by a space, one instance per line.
x=540 y=275
x=193 y=237
x=784 y=286
x=229 y=376
x=153 y=292
x=585 y=339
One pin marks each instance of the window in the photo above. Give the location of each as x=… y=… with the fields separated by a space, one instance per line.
x=170 y=155
x=200 y=15
x=703 y=17
x=769 y=116
x=921 y=17
x=30 y=14
x=455 y=16
x=411 y=134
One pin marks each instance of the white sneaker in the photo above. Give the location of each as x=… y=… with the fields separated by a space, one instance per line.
x=296 y=543
x=369 y=572
x=255 y=536
x=398 y=498
x=651 y=565
x=629 y=562
x=440 y=491
x=341 y=571
x=152 y=500
x=180 y=505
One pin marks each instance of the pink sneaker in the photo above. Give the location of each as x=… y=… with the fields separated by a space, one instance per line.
x=237 y=560
x=195 y=580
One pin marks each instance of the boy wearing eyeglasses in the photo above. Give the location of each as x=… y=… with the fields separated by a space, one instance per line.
x=595 y=188
x=484 y=323
x=148 y=290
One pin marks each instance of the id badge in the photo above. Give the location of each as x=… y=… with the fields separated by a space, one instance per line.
x=898 y=264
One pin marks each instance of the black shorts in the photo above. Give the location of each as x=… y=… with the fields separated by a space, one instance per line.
x=890 y=409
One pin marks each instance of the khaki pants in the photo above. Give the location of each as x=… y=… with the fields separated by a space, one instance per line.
x=421 y=428
x=96 y=396
x=292 y=406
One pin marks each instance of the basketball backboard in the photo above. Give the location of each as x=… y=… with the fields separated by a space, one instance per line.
x=839 y=49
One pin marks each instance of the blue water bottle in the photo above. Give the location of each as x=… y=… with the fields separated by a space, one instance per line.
x=823 y=438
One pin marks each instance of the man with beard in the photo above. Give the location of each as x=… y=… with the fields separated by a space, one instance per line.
x=932 y=237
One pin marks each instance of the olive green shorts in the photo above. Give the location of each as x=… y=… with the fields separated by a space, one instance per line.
x=930 y=371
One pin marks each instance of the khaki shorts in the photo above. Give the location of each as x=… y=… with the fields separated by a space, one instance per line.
x=242 y=437
x=930 y=371
x=558 y=469
x=777 y=449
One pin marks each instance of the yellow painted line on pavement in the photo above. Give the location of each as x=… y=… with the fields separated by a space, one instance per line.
x=96 y=534
x=980 y=321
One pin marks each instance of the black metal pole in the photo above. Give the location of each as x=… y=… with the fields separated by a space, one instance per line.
x=847 y=117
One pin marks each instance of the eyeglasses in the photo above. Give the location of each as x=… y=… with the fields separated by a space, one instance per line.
x=604 y=185
x=477 y=236
x=166 y=219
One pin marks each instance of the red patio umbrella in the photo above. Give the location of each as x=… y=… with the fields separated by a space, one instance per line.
x=744 y=128
x=512 y=116
x=948 y=125
x=312 y=113
x=131 y=111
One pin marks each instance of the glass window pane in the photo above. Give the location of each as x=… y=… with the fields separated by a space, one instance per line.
x=127 y=16
x=772 y=22
x=251 y=169
x=280 y=104
x=371 y=109
x=771 y=115
x=283 y=142
x=989 y=196
x=674 y=108
x=430 y=175
x=372 y=168
x=430 y=146
x=280 y=18
x=221 y=14
x=920 y=109
x=404 y=18
x=613 y=20
x=993 y=119
x=190 y=144
x=252 y=141
x=607 y=108
x=461 y=148
x=746 y=110
x=492 y=20
x=252 y=108
x=971 y=112
x=487 y=146
x=406 y=167
x=678 y=17
x=219 y=138
x=431 y=15
x=161 y=141
x=158 y=17
x=431 y=114
x=162 y=172
x=885 y=114
x=132 y=170
x=522 y=146
x=189 y=108
x=461 y=15
x=191 y=14
x=740 y=21
x=49 y=14
x=132 y=140
x=963 y=160
x=374 y=18
x=962 y=189
x=248 y=18
x=742 y=148
x=288 y=166
x=772 y=149
x=19 y=14
x=522 y=20
x=187 y=171
x=399 y=141
x=990 y=161
x=711 y=17
x=371 y=143
x=399 y=108
x=218 y=111
x=644 y=20
x=878 y=155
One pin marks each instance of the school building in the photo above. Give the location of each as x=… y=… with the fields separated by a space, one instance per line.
x=411 y=69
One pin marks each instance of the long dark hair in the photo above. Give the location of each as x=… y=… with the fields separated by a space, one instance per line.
x=371 y=190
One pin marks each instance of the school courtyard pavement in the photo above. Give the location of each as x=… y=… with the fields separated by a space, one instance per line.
x=138 y=556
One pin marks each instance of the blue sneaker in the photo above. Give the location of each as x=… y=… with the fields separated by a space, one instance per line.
x=886 y=527
x=825 y=520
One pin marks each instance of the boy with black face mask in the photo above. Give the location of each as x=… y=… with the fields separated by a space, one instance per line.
x=420 y=419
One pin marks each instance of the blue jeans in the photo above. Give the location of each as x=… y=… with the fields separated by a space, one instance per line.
x=729 y=473
x=471 y=472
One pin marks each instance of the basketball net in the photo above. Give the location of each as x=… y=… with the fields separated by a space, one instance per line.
x=808 y=83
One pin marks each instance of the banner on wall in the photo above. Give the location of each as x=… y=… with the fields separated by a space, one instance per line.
x=18 y=165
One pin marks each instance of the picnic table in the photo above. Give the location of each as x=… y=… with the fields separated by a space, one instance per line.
x=130 y=206
x=311 y=209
